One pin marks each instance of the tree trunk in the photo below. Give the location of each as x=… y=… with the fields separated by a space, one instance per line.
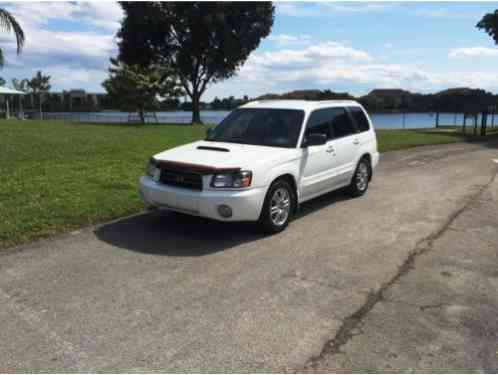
x=141 y=114
x=40 y=105
x=196 y=114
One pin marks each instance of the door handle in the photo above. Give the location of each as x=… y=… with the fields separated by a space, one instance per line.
x=356 y=141
x=330 y=149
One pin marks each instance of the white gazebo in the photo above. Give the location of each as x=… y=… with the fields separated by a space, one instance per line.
x=6 y=92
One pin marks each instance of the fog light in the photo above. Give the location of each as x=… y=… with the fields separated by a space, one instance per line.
x=224 y=211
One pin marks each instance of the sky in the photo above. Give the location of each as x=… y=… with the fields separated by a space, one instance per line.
x=341 y=46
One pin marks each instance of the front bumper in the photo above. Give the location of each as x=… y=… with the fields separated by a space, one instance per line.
x=245 y=204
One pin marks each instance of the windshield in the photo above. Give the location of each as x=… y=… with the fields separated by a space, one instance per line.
x=260 y=126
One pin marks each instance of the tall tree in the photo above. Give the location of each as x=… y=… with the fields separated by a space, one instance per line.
x=137 y=88
x=7 y=24
x=39 y=85
x=20 y=84
x=202 y=42
x=489 y=23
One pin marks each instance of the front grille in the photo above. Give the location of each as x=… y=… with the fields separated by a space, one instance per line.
x=185 y=180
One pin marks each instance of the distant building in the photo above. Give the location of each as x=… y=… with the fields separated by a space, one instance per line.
x=68 y=100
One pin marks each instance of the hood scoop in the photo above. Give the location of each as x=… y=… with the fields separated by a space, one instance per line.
x=211 y=148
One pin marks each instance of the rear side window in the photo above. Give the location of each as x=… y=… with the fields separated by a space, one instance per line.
x=320 y=121
x=360 y=118
x=341 y=123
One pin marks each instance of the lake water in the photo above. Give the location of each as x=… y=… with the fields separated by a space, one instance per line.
x=380 y=120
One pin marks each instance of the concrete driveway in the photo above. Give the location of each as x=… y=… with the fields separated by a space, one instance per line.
x=163 y=292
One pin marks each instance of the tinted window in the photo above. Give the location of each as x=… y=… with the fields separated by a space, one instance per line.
x=341 y=123
x=320 y=122
x=360 y=118
x=260 y=126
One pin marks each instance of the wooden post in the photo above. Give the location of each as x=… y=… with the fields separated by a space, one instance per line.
x=21 y=110
x=7 y=111
x=437 y=119
x=484 y=119
x=464 y=122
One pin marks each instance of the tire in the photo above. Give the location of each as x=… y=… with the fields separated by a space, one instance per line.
x=361 y=178
x=278 y=207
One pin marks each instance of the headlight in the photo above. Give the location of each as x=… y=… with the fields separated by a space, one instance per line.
x=150 y=168
x=232 y=180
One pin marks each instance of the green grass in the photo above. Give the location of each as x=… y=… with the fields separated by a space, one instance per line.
x=56 y=176
x=389 y=140
x=399 y=139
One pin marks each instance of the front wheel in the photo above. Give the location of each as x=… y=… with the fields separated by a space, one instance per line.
x=361 y=177
x=277 y=208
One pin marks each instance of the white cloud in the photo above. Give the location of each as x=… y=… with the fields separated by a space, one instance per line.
x=327 y=9
x=72 y=78
x=358 y=7
x=477 y=51
x=74 y=40
x=331 y=65
x=295 y=9
x=311 y=55
x=285 y=39
x=105 y=14
x=102 y=14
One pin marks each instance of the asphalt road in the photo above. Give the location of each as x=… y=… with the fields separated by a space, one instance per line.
x=402 y=278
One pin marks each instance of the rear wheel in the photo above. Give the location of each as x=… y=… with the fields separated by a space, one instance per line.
x=278 y=207
x=361 y=177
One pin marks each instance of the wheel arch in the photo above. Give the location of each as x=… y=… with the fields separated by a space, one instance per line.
x=291 y=180
x=368 y=157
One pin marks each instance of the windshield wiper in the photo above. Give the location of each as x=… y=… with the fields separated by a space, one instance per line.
x=231 y=140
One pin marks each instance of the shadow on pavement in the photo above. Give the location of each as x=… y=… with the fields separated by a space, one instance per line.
x=171 y=234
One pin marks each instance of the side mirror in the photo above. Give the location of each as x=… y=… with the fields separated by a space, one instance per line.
x=209 y=132
x=315 y=139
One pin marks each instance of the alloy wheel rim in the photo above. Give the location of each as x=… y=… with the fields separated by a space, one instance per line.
x=362 y=177
x=280 y=206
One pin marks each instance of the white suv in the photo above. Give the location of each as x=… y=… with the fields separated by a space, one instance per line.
x=263 y=160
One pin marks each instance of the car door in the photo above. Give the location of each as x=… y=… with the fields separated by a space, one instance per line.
x=317 y=165
x=365 y=136
x=345 y=146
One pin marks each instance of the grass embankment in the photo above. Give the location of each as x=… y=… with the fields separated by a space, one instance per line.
x=389 y=140
x=55 y=176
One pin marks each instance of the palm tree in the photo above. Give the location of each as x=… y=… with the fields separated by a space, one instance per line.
x=39 y=85
x=20 y=84
x=8 y=23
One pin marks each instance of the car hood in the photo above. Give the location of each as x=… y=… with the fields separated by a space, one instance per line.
x=224 y=155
